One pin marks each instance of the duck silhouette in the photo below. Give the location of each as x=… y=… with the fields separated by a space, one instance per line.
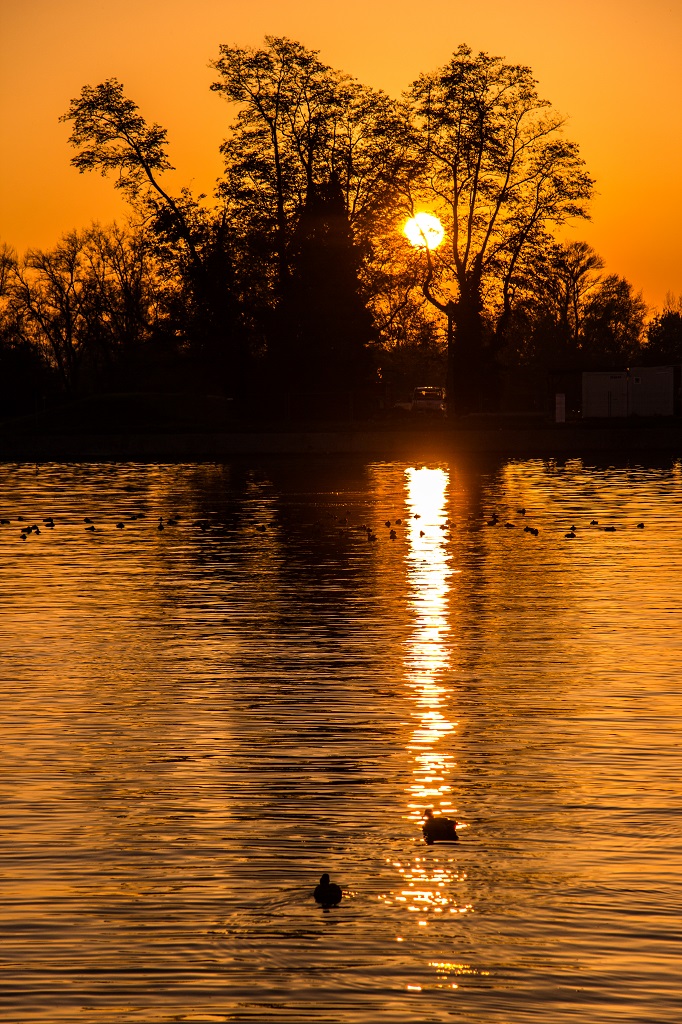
x=327 y=893
x=439 y=829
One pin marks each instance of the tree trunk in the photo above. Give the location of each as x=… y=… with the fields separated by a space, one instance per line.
x=466 y=382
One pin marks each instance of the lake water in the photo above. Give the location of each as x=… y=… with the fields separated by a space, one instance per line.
x=197 y=721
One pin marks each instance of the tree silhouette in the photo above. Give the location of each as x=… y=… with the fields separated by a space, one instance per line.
x=612 y=325
x=299 y=273
x=326 y=327
x=495 y=167
x=112 y=136
x=567 y=316
x=301 y=130
x=664 y=339
x=90 y=306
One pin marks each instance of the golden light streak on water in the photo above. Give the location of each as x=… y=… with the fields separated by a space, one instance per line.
x=430 y=878
x=427 y=653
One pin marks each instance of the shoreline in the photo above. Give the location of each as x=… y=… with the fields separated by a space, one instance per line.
x=351 y=439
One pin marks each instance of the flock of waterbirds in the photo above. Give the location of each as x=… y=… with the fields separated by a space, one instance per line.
x=571 y=533
x=92 y=524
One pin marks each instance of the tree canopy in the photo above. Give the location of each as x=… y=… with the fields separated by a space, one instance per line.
x=296 y=274
x=494 y=165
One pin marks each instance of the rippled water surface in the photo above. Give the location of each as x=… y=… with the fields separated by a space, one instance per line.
x=197 y=721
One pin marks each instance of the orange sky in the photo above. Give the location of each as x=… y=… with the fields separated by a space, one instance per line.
x=612 y=66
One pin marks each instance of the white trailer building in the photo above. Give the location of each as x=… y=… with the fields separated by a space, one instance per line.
x=651 y=391
x=640 y=391
x=605 y=394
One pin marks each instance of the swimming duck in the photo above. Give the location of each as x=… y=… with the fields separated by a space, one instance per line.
x=440 y=829
x=327 y=893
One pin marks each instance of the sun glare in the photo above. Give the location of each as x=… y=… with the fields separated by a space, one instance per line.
x=424 y=231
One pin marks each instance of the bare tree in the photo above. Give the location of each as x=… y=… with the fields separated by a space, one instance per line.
x=51 y=288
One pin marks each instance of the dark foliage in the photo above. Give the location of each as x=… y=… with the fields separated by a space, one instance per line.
x=664 y=340
x=325 y=326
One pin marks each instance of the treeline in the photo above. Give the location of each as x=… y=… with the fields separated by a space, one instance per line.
x=295 y=277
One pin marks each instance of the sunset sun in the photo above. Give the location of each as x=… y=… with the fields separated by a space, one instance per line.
x=424 y=231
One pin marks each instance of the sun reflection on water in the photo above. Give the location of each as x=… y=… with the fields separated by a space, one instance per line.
x=430 y=880
x=428 y=656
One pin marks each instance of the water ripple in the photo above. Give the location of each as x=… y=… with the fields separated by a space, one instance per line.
x=199 y=720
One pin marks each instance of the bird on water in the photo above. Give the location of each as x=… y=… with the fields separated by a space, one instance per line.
x=327 y=893
x=439 y=829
